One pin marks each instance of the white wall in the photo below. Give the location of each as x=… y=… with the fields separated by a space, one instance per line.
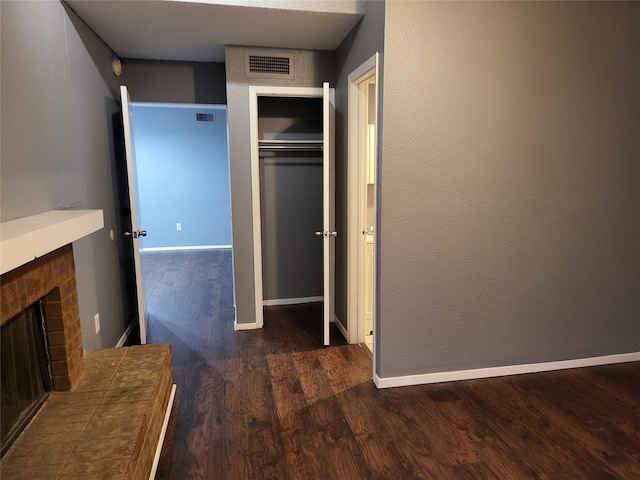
x=510 y=172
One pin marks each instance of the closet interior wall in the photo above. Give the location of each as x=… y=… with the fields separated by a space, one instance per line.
x=291 y=198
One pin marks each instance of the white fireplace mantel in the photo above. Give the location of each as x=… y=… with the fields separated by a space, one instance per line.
x=25 y=239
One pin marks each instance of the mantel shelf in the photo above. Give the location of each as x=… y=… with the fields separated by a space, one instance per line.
x=25 y=239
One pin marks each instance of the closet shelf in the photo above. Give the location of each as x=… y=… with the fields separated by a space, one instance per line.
x=290 y=145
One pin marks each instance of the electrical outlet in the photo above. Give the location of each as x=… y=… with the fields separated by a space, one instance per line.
x=97 y=320
x=178 y=226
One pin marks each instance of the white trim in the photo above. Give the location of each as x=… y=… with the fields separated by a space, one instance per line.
x=340 y=326
x=25 y=239
x=299 y=92
x=187 y=247
x=291 y=301
x=355 y=174
x=126 y=334
x=353 y=197
x=255 y=206
x=203 y=106
x=245 y=326
x=254 y=92
x=438 y=377
x=163 y=432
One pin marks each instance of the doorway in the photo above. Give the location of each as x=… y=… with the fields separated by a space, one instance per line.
x=182 y=193
x=362 y=203
x=182 y=166
x=297 y=124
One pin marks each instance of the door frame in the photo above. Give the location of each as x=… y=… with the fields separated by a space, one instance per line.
x=356 y=172
x=256 y=91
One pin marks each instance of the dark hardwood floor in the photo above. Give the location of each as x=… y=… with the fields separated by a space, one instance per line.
x=274 y=404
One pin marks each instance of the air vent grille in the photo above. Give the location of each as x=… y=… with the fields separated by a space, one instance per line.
x=264 y=64
x=205 y=117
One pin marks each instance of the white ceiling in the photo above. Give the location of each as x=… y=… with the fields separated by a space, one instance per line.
x=197 y=30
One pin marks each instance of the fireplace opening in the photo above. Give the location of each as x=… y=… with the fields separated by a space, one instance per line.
x=25 y=374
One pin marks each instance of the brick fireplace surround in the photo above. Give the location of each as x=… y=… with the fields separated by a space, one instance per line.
x=53 y=279
x=106 y=417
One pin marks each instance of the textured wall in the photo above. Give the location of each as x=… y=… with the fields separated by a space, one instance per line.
x=510 y=173
x=311 y=69
x=58 y=94
x=365 y=40
x=174 y=82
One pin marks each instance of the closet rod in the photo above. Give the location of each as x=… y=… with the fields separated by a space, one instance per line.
x=298 y=145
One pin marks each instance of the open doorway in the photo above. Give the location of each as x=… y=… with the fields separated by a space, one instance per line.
x=182 y=189
x=362 y=202
x=293 y=193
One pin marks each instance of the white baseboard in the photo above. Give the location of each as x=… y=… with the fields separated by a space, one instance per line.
x=280 y=301
x=126 y=334
x=291 y=301
x=343 y=330
x=438 y=377
x=163 y=432
x=192 y=247
x=244 y=326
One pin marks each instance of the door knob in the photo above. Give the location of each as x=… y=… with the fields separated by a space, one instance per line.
x=139 y=233
x=326 y=234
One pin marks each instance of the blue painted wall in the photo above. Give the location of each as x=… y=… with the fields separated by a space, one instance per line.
x=183 y=176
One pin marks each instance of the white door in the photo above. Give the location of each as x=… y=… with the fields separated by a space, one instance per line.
x=328 y=200
x=136 y=233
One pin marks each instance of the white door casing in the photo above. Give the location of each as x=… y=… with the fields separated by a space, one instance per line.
x=356 y=202
x=136 y=233
x=328 y=237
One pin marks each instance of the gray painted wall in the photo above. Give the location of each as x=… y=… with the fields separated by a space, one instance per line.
x=58 y=94
x=365 y=40
x=291 y=203
x=291 y=200
x=311 y=69
x=174 y=82
x=510 y=173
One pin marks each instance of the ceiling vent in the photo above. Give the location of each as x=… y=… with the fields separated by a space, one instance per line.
x=205 y=117
x=260 y=65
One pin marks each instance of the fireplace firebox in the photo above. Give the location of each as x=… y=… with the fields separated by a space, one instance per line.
x=25 y=376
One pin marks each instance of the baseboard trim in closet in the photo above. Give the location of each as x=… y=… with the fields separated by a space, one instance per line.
x=341 y=327
x=290 y=301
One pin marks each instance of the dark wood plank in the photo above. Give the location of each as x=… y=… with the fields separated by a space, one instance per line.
x=265 y=450
x=275 y=404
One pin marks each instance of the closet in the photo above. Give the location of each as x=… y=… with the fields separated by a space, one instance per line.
x=293 y=191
